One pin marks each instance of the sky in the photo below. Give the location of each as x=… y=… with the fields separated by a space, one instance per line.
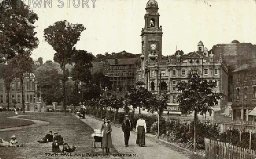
x=115 y=25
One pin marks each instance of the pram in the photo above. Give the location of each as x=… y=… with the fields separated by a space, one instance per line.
x=97 y=136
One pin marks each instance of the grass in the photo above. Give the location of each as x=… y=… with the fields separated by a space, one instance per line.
x=6 y=122
x=74 y=132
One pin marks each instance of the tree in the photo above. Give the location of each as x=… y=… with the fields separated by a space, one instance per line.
x=197 y=96
x=81 y=72
x=17 y=33
x=8 y=77
x=140 y=97
x=49 y=77
x=158 y=104
x=62 y=36
x=101 y=80
x=21 y=64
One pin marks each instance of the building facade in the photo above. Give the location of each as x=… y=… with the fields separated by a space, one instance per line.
x=121 y=73
x=244 y=92
x=15 y=95
x=162 y=74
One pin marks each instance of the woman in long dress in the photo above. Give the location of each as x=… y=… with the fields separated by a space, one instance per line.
x=141 y=129
x=106 y=138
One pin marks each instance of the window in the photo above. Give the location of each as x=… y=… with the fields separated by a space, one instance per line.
x=174 y=82
x=152 y=86
x=18 y=99
x=216 y=71
x=254 y=91
x=174 y=72
x=245 y=93
x=237 y=93
x=183 y=72
x=205 y=71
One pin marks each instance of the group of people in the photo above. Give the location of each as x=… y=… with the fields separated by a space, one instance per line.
x=127 y=127
x=141 y=130
x=57 y=140
x=12 y=143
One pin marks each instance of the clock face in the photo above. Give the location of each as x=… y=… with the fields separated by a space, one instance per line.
x=153 y=46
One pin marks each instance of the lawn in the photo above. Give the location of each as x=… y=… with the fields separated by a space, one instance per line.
x=74 y=132
x=6 y=122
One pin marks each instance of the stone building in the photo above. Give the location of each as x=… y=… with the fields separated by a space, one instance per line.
x=121 y=73
x=162 y=74
x=30 y=93
x=244 y=92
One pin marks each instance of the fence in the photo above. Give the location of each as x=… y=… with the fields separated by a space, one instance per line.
x=220 y=150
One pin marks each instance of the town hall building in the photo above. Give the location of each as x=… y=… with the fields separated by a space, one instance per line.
x=161 y=74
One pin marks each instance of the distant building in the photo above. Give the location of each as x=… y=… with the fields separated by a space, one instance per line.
x=121 y=72
x=30 y=92
x=235 y=54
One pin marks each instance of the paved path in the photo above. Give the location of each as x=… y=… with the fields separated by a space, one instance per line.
x=153 y=150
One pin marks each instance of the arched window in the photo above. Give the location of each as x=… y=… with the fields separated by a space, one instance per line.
x=152 y=22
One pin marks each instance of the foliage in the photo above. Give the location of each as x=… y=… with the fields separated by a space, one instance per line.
x=158 y=103
x=102 y=80
x=62 y=36
x=140 y=97
x=48 y=78
x=197 y=95
x=17 y=28
x=82 y=65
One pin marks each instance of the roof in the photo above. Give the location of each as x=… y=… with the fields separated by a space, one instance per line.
x=253 y=112
x=123 y=61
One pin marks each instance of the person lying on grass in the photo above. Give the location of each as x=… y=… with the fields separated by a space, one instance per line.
x=13 y=142
x=48 y=138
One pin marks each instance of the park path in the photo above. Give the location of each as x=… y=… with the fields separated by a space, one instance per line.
x=153 y=149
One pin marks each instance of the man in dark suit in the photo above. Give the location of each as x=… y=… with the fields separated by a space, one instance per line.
x=126 y=127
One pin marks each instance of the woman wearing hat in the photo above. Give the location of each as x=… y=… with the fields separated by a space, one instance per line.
x=106 y=138
x=141 y=129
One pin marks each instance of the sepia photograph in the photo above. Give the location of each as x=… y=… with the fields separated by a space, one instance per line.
x=127 y=79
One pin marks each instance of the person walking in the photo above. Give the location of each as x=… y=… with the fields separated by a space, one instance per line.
x=126 y=127
x=141 y=129
x=106 y=138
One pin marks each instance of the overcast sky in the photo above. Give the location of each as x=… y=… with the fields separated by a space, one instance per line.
x=115 y=25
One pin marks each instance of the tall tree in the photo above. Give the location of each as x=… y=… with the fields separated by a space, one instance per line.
x=101 y=80
x=8 y=76
x=22 y=64
x=158 y=104
x=17 y=33
x=81 y=72
x=62 y=36
x=197 y=96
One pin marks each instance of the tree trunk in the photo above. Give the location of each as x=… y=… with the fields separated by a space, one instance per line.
x=8 y=99
x=64 y=88
x=195 y=122
x=22 y=94
x=139 y=110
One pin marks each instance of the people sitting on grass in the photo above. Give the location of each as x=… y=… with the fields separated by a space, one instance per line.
x=55 y=146
x=67 y=148
x=14 y=142
x=48 y=138
x=58 y=138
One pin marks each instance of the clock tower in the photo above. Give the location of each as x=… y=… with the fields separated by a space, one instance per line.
x=151 y=35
